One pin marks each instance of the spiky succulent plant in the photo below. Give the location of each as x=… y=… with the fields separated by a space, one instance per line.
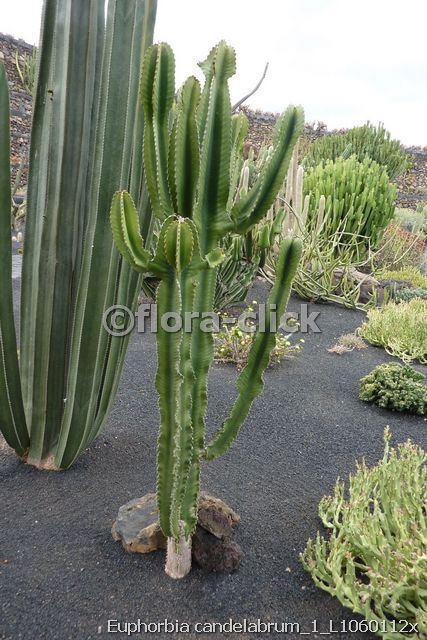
x=374 y=559
x=188 y=162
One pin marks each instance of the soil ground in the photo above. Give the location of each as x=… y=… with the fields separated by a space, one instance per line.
x=63 y=577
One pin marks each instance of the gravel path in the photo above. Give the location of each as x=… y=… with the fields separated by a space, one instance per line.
x=62 y=576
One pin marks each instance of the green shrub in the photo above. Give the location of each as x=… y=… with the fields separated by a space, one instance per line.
x=233 y=345
x=409 y=274
x=414 y=221
x=374 y=560
x=396 y=387
x=399 y=249
x=364 y=142
x=359 y=198
x=404 y=295
x=400 y=328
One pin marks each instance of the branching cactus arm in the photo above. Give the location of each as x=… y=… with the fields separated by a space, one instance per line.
x=250 y=382
x=157 y=95
x=186 y=149
x=12 y=417
x=125 y=227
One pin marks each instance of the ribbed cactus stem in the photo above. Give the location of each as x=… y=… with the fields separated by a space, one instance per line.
x=190 y=166
x=86 y=142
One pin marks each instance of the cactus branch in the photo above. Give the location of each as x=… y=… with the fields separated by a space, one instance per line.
x=157 y=93
x=250 y=382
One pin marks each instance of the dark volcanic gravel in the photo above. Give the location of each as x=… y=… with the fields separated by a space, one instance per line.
x=61 y=574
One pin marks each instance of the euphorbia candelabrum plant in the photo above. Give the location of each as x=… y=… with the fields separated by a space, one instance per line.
x=187 y=158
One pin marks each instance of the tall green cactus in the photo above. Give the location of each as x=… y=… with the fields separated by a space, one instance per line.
x=86 y=142
x=188 y=155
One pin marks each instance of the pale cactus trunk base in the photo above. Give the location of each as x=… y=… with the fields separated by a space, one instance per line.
x=178 y=558
x=46 y=464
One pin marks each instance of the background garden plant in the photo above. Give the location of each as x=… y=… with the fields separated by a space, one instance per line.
x=406 y=294
x=399 y=249
x=400 y=328
x=367 y=141
x=359 y=199
x=233 y=344
x=396 y=387
x=374 y=558
x=334 y=265
x=187 y=170
x=410 y=275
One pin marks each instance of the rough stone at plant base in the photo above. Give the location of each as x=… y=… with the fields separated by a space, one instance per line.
x=137 y=527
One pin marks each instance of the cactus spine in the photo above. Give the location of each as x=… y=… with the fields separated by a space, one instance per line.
x=188 y=168
x=86 y=143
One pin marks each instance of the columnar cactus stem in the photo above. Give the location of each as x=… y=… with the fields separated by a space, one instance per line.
x=188 y=170
x=12 y=416
x=86 y=142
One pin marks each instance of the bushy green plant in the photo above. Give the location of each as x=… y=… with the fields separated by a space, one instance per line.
x=413 y=275
x=406 y=294
x=400 y=328
x=399 y=249
x=414 y=221
x=364 y=142
x=332 y=260
x=233 y=344
x=359 y=199
x=396 y=387
x=375 y=557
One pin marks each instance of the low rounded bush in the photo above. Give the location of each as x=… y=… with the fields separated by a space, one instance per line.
x=414 y=221
x=400 y=328
x=405 y=294
x=396 y=387
x=232 y=344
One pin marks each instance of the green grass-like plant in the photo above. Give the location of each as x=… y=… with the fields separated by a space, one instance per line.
x=374 y=560
x=364 y=142
x=396 y=387
x=26 y=69
x=400 y=328
x=413 y=275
